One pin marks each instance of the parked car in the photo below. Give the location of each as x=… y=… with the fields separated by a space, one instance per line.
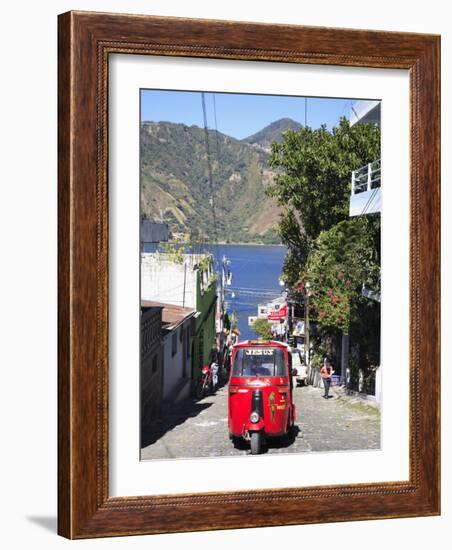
x=298 y=364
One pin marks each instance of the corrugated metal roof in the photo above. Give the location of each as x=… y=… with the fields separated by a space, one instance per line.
x=172 y=315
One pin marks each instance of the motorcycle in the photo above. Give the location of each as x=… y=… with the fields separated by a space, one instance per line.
x=208 y=381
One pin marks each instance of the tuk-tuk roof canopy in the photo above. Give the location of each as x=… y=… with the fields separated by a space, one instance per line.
x=264 y=343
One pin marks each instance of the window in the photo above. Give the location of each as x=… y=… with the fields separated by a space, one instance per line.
x=259 y=362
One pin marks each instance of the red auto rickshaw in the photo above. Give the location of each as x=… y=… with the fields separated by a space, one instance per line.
x=260 y=401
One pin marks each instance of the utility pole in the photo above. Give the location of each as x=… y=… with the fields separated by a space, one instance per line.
x=344 y=358
x=223 y=277
x=223 y=281
x=185 y=283
x=306 y=325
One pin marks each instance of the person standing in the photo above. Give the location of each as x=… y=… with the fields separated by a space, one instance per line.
x=280 y=330
x=273 y=331
x=213 y=356
x=221 y=344
x=326 y=372
x=228 y=349
x=214 y=364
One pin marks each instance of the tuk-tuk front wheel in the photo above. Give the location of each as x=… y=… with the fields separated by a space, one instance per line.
x=256 y=443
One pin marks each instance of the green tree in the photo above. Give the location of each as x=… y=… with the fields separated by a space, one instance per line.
x=262 y=328
x=313 y=183
x=343 y=259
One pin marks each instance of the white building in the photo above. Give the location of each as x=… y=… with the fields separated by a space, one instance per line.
x=183 y=281
x=365 y=111
x=262 y=311
x=177 y=329
x=366 y=181
x=365 y=199
x=167 y=279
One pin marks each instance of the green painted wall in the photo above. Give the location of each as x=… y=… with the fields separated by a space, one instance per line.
x=205 y=335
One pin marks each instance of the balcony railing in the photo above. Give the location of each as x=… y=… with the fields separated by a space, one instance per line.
x=367 y=177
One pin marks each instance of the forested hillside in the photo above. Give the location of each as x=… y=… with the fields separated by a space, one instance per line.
x=176 y=187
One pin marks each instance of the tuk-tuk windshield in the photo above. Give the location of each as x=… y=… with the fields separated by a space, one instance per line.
x=259 y=362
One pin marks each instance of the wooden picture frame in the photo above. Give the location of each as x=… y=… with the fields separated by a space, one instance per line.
x=86 y=40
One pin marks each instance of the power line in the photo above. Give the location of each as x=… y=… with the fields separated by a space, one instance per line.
x=216 y=127
x=212 y=189
x=210 y=172
x=250 y=305
x=254 y=289
x=253 y=260
x=369 y=201
x=255 y=293
x=217 y=143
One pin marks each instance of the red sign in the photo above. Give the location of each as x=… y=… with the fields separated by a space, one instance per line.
x=276 y=312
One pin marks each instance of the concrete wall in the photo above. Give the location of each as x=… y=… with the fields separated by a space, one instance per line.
x=151 y=365
x=182 y=284
x=162 y=280
x=174 y=373
x=368 y=202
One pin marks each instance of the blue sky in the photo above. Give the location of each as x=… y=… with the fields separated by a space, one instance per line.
x=239 y=115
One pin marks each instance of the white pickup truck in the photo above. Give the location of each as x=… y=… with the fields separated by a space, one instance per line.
x=302 y=369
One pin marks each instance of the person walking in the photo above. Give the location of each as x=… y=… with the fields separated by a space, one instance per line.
x=326 y=372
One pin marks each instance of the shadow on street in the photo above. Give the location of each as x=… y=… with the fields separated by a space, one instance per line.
x=282 y=442
x=172 y=416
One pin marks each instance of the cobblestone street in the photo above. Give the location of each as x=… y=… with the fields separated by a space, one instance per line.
x=200 y=429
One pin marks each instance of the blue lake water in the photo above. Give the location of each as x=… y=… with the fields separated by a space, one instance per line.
x=255 y=279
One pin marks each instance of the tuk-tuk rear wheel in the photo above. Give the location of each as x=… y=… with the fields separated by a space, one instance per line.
x=256 y=443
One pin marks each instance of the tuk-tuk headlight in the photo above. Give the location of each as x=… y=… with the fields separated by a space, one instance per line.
x=254 y=417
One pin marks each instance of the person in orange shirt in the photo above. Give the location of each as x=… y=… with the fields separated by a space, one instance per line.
x=326 y=372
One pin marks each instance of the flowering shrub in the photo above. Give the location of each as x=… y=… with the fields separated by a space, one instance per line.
x=343 y=259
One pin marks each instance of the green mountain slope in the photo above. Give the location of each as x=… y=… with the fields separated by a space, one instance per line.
x=272 y=132
x=176 y=189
